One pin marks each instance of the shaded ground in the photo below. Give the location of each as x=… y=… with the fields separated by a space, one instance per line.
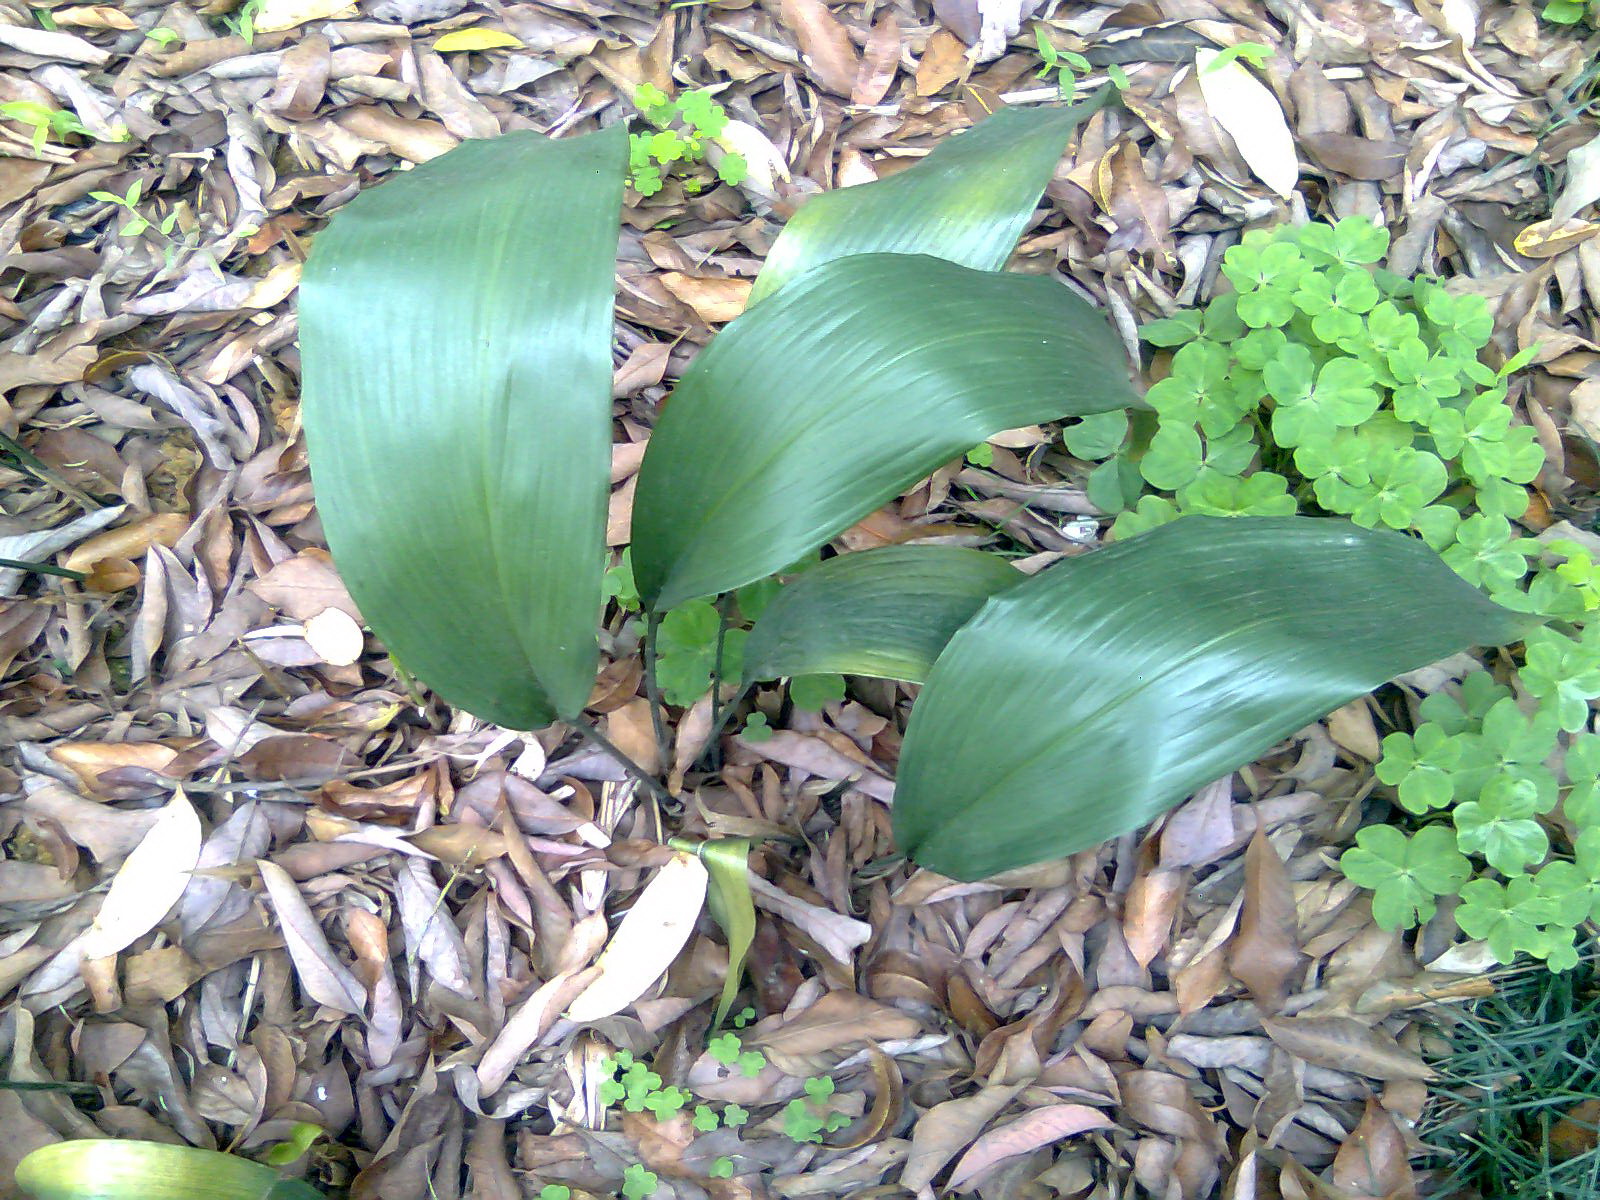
x=1228 y=1017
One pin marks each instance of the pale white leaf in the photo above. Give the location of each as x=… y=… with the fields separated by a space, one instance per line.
x=649 y=938
x=335 y=637
x=148 y=883
x=1251 y=114
x=1583 y=182
x=275 y=15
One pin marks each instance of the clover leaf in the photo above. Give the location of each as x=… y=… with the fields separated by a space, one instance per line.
x=1420 y=765
x=1174 y=457
x=637 y=1183
x=1351 y=242
x=705 y=1120
x=1504 y=915
x=1214 y=494
x=1500 y=825
x=1487 y=554
x=734 y=1116
x=1564 y=674
x=1405 y=874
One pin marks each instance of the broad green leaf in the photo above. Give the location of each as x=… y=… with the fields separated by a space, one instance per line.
x=94 y=1169
x=1092 y=697
x=968 y=201
x=727 y=863
x=455 y=325
x=824 y=403
x=885 y=613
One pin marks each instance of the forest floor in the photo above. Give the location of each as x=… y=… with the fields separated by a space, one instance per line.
x=1204 y=1008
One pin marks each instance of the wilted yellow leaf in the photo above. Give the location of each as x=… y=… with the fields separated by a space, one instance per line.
x=479 y=37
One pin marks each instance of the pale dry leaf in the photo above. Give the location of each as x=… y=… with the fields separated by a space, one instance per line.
x=824 y=43
x=1345 y=1044
x=276 y=15
x=1265 y=953
x=648 y=939
x=1148 y=912
x=148 y=883
x=632 y=730
x=1038 y=1127
x=527 y=1023
x=1247 y=109
x=335 y=637
x=1374 y=1159
x=715 y=299
x=946 y=1129
x=324 y=978
x=837 y=1020
x=1582 y=187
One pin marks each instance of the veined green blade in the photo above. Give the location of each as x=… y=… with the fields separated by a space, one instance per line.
x=831 y=398
x=1087 y=700
x=92 y=1169
x=968 y=200
x=885 y=613
x=455 y=327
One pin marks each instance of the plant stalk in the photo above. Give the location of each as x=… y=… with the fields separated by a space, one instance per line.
x=652 y=625
x=650 y=782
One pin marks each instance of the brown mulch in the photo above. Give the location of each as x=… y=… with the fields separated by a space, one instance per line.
x=387 y=885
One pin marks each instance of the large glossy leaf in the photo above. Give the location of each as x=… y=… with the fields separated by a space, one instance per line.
x=841 y=391
x=93 y=1169
x=967 y=201
x=455 y=326
x=1087 y=700
x=885 y=613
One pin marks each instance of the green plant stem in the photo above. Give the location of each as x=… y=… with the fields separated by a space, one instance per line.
x=721 y=718
x=650 y=782
x=712 y=748
x=39 y=568
x=41 y=471
x=652 y=626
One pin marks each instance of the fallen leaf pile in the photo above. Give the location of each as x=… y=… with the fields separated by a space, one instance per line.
x=251 y=877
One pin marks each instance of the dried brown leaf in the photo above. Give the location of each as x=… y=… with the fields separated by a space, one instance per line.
x=1345 y=1044
x=1265 y=952
x=1373 y=1161
x=1039 y=1127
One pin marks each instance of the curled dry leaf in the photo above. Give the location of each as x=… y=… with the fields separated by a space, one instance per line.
x=148 y=883
x=888 y=1097
x=647 y=940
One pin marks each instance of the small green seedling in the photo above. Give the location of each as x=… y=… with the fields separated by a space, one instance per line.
x=981 y=455
x=1254 y=53
x=734 y=1116
x=743 y=1017
x=47 y=122
x=301 y=1135
x=682 y=128
x=705 y=1118
x=137 y=223
x=728 y=1050
x=722 y=1168
x=1568 y=12
x=163 y=37
x=637 y=1183
x=555 y=1191
x=1067 y=64
x=807 y=1119
x=241 y=22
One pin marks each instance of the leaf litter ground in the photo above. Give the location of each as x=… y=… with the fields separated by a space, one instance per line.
x=370 y=913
